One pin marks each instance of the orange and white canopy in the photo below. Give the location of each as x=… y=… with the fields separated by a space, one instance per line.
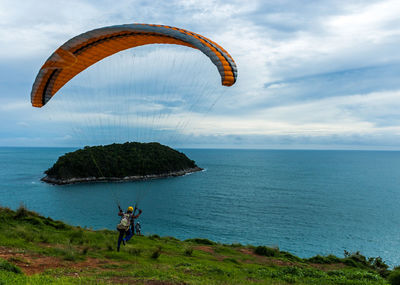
x=84 y=50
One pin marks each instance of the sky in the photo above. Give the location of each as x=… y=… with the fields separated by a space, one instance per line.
x=311 y=74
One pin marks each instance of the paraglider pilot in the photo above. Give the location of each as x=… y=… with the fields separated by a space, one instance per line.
x=127 y=221
x=132 y=228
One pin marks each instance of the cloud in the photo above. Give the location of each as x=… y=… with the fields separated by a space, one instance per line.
x=32 y=28
x=15 y=106
x=23 y=124
x=310 y=72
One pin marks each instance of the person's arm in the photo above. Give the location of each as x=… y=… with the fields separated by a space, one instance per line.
x=120 y=213
x=137 y=216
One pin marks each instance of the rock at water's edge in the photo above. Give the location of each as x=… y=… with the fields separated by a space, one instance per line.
x=56 y=181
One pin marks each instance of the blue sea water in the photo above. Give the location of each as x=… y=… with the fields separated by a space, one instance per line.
x=305 y=202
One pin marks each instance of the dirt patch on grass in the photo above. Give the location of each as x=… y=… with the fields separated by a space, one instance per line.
x=278 y=262
x=32 y=263
x=255 y=258
x=132 y=280
x=328 y=267
x=157 y=282
x=248 y=252
x=205 y=248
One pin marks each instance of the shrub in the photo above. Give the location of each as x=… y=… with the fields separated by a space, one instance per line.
x=61 y=226
x=378 y=264
x=76 y=236
x=233 y=260
x=358 y=257
x=313 y=273
x=21 y=212
x=170 y=238
x=183 y=264
x=337 y=273
x=135 y=251
x=394 y=277
x=290 y=279
x=266 y=251
x=44 y=238
x=188 y=251
x=24 y=234
x=201 y=241
x=350 y=262
x=85 y=250
x=70 y=255
x=56 y=224
x=66 y=253
x=324 y=259
x=154 y=237
x=216 y=270
x=156 y=254
x=5 y=265
x=290 y=256
x=292 y=270
x=34 y=221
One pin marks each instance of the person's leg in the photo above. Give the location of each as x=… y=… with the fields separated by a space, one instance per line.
x=120 y=237
x=129 y=235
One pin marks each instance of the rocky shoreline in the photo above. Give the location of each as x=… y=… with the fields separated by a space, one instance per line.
x=56 y=181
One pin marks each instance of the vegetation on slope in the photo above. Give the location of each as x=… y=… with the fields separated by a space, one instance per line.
x=120 y=160
x=39 y=250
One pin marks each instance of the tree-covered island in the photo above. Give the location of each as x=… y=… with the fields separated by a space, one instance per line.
x=119 y=162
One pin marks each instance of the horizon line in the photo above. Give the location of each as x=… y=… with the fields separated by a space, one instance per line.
x=239 y=148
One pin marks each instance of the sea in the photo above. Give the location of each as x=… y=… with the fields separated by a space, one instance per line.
x=307 y=202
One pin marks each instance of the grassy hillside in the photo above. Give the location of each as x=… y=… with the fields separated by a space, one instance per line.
x=39 y=250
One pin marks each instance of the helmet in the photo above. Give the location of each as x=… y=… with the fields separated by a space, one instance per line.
x=130 y=209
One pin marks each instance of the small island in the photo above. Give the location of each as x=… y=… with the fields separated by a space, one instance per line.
x=130 y=161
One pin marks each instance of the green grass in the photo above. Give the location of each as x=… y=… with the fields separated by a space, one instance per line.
x=89 y=257
x=394 y=277
x=6 y=266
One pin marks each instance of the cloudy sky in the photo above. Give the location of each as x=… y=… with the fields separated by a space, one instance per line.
x=312 y=74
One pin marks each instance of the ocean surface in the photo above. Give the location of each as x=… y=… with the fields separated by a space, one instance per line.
x=305 y=202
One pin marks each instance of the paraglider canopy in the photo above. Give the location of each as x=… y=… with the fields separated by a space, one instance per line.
x=84 y=50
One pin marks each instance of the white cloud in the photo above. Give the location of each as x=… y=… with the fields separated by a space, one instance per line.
x=33 y=28
x=373 y=23
x=23 y=124
x=336 y=42
x=342 y=115
x=271 y=42
x=15 y=106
